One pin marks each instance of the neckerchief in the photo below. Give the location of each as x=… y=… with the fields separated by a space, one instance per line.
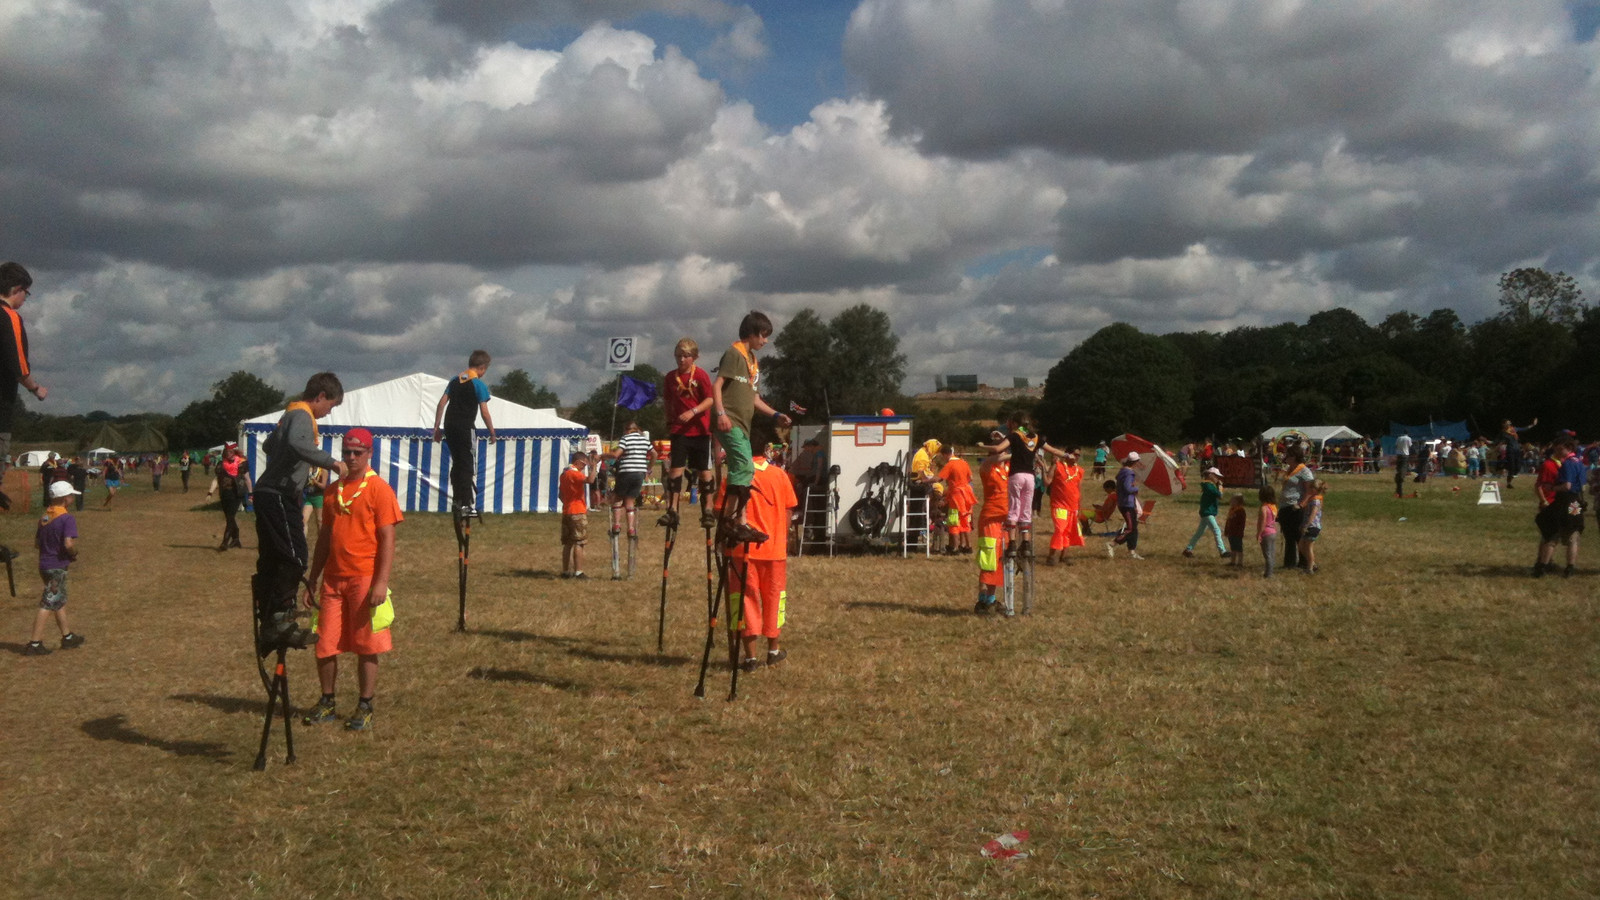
x=231 y=466
x=301 y=404
x=50 y=512
x=343 y=507
x=750 y=362
x=687 y=386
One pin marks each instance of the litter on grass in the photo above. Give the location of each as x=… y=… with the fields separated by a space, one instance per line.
x=1004 y=846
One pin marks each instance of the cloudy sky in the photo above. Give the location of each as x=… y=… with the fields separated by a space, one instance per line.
x=380 y=186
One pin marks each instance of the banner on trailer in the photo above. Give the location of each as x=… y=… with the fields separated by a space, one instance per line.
x=517 y=472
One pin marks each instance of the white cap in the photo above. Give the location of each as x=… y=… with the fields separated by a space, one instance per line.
x=62 y=489
x=1213 y=471
x=1133 y=456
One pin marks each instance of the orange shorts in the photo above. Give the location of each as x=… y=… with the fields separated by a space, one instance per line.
x=762 y=601
x=991 y=547
x=344 y=624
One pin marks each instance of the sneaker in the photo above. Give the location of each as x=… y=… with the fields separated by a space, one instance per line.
x=361 y=721
x=580 y=576
x=1111 y=550
x=36 y=648
x=776 y=656
x=708 y=519
x=750 y=665
x=71 y=640
x=1225 y=554
x=1134 y=554
x=1188 y=553
x=324 y=711
x=986 y=607
x=566 y=574
x=1538 y=571
x=669 y=519
x=1567 y=573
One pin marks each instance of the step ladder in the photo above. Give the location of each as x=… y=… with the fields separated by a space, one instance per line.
x=914 y=531
x=818 y=515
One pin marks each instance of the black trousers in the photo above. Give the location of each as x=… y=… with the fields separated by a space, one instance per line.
x=230 y=517
x=281 y=558
x=1291 y=523
x=463 y=474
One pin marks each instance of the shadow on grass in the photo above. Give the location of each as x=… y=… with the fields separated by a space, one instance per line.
x=630 y=659
x=223 y=704
x=114 y=728
x=522 y=637
x=209 y=548
x=517 y=676
x=935 y=611
x=1478 y=570
x=544 y=574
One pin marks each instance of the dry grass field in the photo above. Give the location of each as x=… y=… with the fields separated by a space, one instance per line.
x=1417 y=720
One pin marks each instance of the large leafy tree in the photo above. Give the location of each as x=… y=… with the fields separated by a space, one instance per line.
x=518 y=387
x=1119 y=380
x=600 y=413
x=1530 y=294
x=205 y=423
x=851 y=365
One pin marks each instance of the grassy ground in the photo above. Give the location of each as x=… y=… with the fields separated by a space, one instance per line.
x=1417 y=720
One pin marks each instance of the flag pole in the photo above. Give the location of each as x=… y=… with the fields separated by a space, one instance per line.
x=614 y=404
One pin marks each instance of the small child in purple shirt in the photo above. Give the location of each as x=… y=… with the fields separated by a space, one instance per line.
x=57 y=540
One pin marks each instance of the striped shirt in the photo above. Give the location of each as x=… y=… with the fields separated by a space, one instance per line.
x=635 y=453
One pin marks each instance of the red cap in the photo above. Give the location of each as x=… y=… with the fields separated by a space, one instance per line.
x=358 y=438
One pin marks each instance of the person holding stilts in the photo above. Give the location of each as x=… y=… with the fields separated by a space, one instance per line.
x=736 y=398
x=465 y=398
x=757 y=574
x=687 y=391
x=355 y=552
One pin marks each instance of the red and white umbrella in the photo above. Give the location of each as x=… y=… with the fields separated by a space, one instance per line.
x=1158 y=471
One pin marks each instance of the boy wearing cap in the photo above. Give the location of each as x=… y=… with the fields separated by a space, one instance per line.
x=291 y=450
x=575 y=481
x=1210 y=503
x=57 y=541
x=355 y=551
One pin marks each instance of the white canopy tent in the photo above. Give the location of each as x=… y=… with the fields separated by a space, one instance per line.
x=517 y=472
x=1319 y=434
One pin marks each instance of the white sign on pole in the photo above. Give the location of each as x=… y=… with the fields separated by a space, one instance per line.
x=619 y=354
x=1489 y=494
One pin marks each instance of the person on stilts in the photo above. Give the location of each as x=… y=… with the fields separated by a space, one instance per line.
x=736 y=397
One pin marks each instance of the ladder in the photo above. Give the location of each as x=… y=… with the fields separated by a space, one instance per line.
x=817 y=518
x=914 y=531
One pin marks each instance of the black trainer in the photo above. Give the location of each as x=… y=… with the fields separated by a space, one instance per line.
x=36 y=648
x=71 y=640
x=669 y=519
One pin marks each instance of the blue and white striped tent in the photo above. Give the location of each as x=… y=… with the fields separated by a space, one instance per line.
x=517 y=472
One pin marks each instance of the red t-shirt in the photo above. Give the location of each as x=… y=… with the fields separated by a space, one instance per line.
x=573 y=480
x=354 y=512
x=1549 y=471
x=683 y=393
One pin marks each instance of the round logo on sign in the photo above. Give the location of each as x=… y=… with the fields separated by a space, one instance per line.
x=619 y=354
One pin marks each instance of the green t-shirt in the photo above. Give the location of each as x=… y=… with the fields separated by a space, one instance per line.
x=1210 y=498
x=740 y=384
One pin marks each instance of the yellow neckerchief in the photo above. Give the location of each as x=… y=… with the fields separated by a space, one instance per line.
x=749 y=361
x=50 y=512
x=687 y=384
x=760 y=462
x=1072 y=472
x=338 y=493
x=301 y=404
x=1294 y=471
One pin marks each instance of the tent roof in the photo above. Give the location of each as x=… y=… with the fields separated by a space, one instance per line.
x=410 y=401
x=1317 y=433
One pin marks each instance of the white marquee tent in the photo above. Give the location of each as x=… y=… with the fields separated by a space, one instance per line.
x=1319 y=434
x=517 y=472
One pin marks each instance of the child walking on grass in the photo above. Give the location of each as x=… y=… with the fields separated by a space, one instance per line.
x=1308 y=538
x=1234 y=530
x=1210 y=499
x=1267 y=525
x=57 y=541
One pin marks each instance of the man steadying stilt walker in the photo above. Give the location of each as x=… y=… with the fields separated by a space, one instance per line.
x=736 y=396
x=465 y=397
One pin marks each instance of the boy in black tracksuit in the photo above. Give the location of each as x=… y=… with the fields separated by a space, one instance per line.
x=464 y=398
x=281 y=562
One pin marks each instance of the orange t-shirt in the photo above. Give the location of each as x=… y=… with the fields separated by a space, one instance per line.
x=995 y=501
x=956 y=473
x=1065 y=485
x=771 y=498
x=353 y=536
x=572 y=481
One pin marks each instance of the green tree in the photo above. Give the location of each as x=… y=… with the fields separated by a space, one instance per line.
x=518 y=387
x=1529 y=294
x=205 y=423
x=1119 y=380
x=599 y=410
x=852 y=365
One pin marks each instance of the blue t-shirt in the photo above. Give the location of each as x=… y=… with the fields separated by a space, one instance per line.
x=462 y=412
x=51 y=539
x=1572 y=473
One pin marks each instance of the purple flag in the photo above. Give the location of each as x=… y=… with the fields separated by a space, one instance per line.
x=635 y=394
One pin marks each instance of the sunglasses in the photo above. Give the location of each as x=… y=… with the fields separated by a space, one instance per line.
x=347 y=452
